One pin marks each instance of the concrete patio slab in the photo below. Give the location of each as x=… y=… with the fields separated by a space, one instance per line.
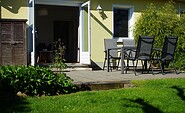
x=113 y=79
x=104 y=76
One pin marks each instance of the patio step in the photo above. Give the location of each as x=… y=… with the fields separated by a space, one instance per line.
x=77 y=67
x=103 y=85
x=70 y=66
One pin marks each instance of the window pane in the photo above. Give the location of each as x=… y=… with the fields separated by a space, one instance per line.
x=120 y=22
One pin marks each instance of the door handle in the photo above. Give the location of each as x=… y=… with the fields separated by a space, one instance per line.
x=13 y=43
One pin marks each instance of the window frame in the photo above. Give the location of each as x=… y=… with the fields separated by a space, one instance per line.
x=130 y=9
x=181 y=11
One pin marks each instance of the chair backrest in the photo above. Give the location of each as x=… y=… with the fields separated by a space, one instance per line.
x=111 y=43
x=144 y=47
x=169 y=47
x=129 y=42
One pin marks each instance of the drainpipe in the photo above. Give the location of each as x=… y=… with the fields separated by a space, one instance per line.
x=179 y=8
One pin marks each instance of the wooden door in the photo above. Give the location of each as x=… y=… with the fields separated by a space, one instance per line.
x=13 y=50
x=6 y=48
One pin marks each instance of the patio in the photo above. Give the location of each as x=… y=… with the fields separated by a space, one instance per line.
x=99 y=79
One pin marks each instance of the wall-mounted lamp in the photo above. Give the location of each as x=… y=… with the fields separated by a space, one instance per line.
x=99 y=8
x=101 y=12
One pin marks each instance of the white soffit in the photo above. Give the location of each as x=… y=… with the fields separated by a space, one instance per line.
x=59 y=2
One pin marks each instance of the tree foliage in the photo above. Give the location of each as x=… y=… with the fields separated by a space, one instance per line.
x=161 y=22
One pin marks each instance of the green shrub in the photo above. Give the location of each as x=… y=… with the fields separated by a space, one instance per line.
x=34 y=81
x=180 y=54
x=161 y=22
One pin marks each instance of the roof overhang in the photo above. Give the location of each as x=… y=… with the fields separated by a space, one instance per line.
x=59 y=2
x=180 y=0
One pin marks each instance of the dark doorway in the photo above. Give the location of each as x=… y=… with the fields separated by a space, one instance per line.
x=54 y=22
x=65 y=31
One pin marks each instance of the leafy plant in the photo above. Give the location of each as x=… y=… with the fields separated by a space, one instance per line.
x=59 y=53
x=34 y=81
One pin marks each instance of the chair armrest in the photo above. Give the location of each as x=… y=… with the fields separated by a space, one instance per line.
x=130 y=52
x=116 y=48
x=156 y=53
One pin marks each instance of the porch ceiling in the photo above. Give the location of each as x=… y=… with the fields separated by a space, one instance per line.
x=59 y=2
x=180 y=0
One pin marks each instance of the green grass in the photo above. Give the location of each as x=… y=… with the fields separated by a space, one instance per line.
x=147 y=96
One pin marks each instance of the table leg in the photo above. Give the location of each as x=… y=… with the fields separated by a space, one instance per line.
x=122 y=60
x=108 y=61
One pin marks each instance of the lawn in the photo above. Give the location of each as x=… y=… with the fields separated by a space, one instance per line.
x=146 y=96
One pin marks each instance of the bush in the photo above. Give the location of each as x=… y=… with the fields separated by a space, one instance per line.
x=34 y=81
x=161 y=22
x=180 y=54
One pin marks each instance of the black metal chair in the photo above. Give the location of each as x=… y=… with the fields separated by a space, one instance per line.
x=129 y=43
x=114 y=55
x=143 y=52
x=167 y=53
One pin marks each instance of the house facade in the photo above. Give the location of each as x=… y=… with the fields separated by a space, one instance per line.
x=80 y=25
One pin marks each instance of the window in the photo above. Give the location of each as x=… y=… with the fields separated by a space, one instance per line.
x=182 y=12
x=123 y=21
x=120 y=22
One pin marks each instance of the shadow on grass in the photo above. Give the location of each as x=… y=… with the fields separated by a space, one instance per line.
x=180 y=92
x=146 y=107
x=11 y=104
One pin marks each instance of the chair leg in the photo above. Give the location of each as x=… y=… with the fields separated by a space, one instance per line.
x=111 y=65
x=104 y=63
x=149 y=67
x=125 y=67
x=161 y=66
x=118 y=64
x=175 y=67
x=142 y=67
x=134 y=67
x=150 y=62
x=136 y=63
x=127 y=63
